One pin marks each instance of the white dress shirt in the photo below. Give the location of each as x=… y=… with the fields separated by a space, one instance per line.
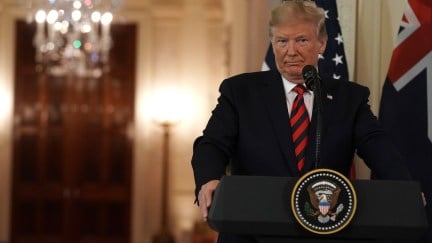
x=290 y=95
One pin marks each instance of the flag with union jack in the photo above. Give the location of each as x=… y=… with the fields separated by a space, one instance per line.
x=406 y=103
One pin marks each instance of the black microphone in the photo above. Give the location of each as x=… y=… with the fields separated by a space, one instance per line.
x=311 y=76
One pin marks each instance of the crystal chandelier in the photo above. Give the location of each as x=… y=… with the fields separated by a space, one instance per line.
x=72 y=36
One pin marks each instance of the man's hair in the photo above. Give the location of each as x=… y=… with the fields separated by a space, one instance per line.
x=296 y=11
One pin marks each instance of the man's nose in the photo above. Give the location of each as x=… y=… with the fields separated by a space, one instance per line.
x=291 y=49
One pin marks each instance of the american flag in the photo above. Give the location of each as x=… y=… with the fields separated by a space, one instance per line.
x=406 y=103
x=333 y=62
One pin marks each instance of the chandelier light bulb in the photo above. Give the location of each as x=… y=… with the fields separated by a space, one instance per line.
x=96 y=16
x=77 y=4
x=50 y=46
x=58 y=26
x=40 y=16
x=106 y=18
x=86 y=28
x=64 y=27
x=52 y=16
x=76 y=15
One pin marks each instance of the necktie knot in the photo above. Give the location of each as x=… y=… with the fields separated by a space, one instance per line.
x=300 y=89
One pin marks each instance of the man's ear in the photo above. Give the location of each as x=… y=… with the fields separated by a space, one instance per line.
x=272 y=45
x=323 y=44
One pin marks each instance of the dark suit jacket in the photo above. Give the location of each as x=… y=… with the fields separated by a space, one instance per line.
x=250 y=127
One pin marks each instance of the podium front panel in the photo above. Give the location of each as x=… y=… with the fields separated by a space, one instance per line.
x=260 y=206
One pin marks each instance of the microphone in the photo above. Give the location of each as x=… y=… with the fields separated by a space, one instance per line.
x=311 y=77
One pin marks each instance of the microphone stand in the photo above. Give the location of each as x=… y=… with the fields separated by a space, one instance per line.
x=313 y=82
x=318 y=106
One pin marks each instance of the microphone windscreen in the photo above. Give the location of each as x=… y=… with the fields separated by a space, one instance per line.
x=309 y=71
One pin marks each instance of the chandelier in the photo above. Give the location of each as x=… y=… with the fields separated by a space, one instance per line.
x=72 y=36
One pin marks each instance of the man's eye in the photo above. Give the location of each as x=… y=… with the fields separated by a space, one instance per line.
x=281 y=42
x=302 y=40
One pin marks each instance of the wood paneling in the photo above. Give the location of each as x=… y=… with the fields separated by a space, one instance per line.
x=72 y=154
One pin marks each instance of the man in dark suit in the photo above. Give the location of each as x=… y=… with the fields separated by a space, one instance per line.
x=250 y=126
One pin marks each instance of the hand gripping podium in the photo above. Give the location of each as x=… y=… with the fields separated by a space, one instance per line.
x=261 y=207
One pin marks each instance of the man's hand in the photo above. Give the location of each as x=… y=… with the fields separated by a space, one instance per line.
x=205 y=197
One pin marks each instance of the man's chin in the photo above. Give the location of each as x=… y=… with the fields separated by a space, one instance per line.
x=293 y=69
x=295 y=77
x=293 y=72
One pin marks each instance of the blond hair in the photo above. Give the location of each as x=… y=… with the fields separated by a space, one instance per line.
x=296 y=11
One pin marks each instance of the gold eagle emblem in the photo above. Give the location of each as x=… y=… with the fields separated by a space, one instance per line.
x=323 y=197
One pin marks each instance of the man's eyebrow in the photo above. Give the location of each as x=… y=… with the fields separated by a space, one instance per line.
x=280 y=36
x=301 y=36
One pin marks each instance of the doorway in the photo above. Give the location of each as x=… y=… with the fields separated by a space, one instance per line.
x=72 y=147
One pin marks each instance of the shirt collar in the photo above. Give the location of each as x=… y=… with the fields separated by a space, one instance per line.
x=288 y=85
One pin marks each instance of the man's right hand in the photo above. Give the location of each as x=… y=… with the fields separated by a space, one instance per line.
x=205 y=197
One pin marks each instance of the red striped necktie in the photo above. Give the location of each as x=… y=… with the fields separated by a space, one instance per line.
x=299 y=123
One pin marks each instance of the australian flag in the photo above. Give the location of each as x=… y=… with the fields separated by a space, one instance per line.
x=333 y=62
x=406 y=104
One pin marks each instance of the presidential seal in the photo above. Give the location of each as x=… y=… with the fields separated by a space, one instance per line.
x=323 y=201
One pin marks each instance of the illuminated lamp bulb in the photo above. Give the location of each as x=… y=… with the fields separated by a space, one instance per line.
x=106 y=18
x=40 y=16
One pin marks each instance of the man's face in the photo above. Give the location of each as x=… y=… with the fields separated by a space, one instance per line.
x=295 y=46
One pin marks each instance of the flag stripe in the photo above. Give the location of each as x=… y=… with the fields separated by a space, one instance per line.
x=411 y=51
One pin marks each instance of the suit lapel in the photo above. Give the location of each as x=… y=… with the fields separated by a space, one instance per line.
x=275 y=101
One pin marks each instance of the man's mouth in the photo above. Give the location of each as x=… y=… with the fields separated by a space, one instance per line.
x=292 y=63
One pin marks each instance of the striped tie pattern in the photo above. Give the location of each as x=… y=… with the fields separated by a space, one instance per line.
x=299 y=123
